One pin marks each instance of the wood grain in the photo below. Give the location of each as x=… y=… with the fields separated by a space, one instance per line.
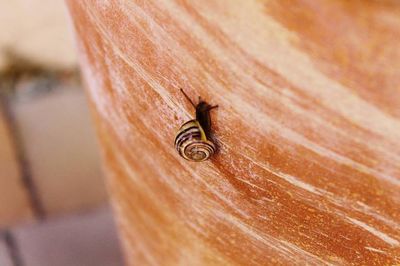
x=308 y=169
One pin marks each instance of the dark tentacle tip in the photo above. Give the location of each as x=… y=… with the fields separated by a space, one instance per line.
x=212 y=107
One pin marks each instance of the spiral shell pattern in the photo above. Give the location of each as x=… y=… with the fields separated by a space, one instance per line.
x=192 y=144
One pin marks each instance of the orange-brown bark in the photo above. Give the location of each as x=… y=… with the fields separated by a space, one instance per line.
x=308 y=169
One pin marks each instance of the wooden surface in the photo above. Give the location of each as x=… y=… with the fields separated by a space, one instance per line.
x=308 y=127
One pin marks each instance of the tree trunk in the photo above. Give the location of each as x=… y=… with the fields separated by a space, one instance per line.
x=307 y=128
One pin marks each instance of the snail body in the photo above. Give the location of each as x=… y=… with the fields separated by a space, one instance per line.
x=192 y=139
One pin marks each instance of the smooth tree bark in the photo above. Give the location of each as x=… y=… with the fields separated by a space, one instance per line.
x=308 y=128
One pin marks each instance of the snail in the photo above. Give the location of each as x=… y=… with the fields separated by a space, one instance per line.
x=192 y=139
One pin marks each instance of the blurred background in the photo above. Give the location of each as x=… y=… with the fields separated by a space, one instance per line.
x=53 y=203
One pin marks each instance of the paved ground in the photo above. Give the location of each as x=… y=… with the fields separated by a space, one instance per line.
x=87 y=239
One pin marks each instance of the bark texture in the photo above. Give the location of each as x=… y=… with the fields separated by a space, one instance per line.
x=308 y=128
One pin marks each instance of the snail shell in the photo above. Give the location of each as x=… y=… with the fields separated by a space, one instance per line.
x=192 y=144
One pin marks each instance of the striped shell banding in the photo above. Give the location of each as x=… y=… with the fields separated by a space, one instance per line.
x=192 y=144
x=191 y=140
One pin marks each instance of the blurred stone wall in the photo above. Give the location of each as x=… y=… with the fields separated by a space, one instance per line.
x=49 y=161
x=36 y=30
